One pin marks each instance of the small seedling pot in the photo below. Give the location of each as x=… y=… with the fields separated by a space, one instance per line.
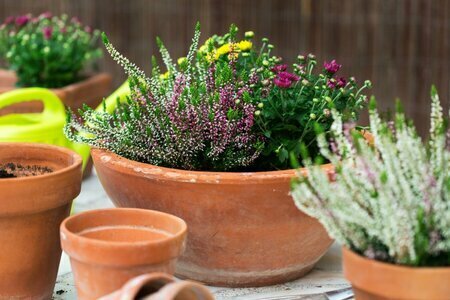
x=31 y=210
x=160 y=286
x=108 y=247
x=374 y=280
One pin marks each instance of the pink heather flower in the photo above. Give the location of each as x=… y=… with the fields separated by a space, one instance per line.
x=279 y=68
x=48 y=31
x=331 y=67
x=46 y=15
x=341 y=82
x=22 y=20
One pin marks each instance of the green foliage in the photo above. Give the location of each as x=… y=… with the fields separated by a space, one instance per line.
x=47 y=51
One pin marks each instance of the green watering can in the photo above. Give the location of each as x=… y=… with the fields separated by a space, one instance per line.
x=47 y=126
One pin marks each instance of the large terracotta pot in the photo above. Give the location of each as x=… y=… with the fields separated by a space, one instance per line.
x=243 y=228
x=374 y=280
x=108 y=247
x=89 y=91
x=31 y=210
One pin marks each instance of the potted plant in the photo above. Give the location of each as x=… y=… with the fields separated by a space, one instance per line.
x=388 y=206
x=201 y=141
x=51 y=52
x=108 y=247
x=37 y=185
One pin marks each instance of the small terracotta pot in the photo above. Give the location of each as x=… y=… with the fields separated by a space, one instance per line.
x=160 y=286
x=244 y=229
x=374 y=280
x=31 y=210
x=108 y=247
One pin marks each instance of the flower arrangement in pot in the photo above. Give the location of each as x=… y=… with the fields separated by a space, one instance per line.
x=389 y=206
x=201 y=140
x=51 y=52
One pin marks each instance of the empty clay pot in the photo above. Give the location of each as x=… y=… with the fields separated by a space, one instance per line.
x=374 y=280
x=31 y=210
x=160 y=286
x=244 y=228
x=108 y=247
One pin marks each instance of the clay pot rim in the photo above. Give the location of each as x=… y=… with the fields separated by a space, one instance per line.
x=388 y=267
x=76 y=238
x=74 y=164
x=124 y=165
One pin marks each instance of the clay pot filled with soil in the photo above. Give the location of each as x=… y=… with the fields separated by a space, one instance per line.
x=37 y=185
x=111 y=246
x=244 y=229
x=375 y=280
x=160 y=286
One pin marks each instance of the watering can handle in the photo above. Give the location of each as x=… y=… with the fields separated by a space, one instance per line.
x=110 y=103
x=52 y=104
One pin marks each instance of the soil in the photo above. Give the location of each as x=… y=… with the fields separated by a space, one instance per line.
x=12 y=170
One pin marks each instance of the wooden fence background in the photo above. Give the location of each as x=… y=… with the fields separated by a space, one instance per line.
x=403 y=46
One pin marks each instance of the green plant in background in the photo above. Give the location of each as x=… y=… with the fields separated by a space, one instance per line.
x=193 y=116
x=47 y=51
x=389 y=200
x=290 y=105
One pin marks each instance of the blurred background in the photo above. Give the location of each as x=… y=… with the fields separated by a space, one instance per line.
x=402 y=46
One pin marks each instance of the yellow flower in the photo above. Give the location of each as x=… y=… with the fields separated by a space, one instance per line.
x=223 y=50
x=181 y=60
x=245 y=45
x=164 y=76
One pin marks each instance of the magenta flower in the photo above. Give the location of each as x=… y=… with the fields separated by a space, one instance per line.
x=22 y=20
x=47 y=31
x=341 y=82
x=332 y=66
x=285 y=79
x=279 y=68
x=331 y=83
x=46 y=15
x=88 y=29
x=9 y=20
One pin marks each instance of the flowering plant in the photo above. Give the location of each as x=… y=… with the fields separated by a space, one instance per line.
x=47 y=51
x=389 y=200
x=290 y=104
x=194 y=117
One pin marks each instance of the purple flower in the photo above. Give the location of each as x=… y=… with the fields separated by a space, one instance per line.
x=341 y=82
x=331 y=67
x=47 y=31
x=279 y=68
x=331 y=83
x=285 y=79
x=9 y=20
x=46 y=15
x=22 y=20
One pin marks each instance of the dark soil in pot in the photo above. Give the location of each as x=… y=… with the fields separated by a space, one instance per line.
x=12 y=170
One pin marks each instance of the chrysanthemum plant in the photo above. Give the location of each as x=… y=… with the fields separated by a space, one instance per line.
x=290 y=104
x=196 y=117
x=47 y=51
x=390 y=199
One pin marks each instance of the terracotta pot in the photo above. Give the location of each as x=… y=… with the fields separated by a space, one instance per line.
x=160 y=286
x=374 y=280
x=109 y=247
x=89 y=91
x=31 y=210
x=244 y=229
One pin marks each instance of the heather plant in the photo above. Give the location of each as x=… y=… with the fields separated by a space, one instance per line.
x=290 y=104
x=194 y=116
x=47 y=51
x=390 y=199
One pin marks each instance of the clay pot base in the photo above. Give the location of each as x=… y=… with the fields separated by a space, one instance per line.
x=12 y=170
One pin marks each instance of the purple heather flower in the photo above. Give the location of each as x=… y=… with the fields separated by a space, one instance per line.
x=48 y=31
x=332 y=66
x=46 y=15
x=22 y=20
x=279 y=68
